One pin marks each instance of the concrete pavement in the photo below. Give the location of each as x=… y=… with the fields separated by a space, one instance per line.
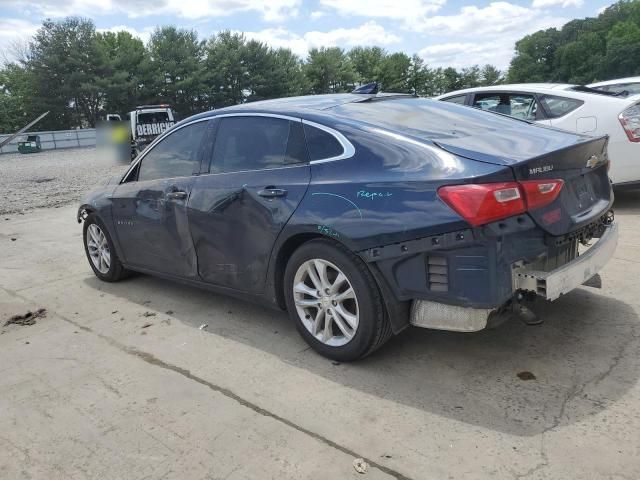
x=93 y=391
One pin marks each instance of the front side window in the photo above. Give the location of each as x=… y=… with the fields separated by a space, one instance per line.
x=459 y=99
x=256 y=143
x=521 y=106
x=559 y=106
x=177 y=155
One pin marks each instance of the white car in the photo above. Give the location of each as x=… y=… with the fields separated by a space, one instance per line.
x=574 y=108
x=630 y=85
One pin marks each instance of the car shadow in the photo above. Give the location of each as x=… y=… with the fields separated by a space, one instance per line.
x=516 y=379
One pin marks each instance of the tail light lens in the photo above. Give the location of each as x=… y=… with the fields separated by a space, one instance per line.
x=630 y=120
x=484 y=203
x=541 y=192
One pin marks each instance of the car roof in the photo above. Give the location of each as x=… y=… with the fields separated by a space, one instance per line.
x=301 y=106
x=615 y=81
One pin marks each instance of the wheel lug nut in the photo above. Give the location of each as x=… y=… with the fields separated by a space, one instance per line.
x=334 y=303
x=326 y=290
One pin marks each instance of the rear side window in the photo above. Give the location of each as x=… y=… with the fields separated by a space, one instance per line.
x=256 y=143
x=523 y=106
x=177 y=155
x=321 y=144
x=559 y=106
x=459 y=99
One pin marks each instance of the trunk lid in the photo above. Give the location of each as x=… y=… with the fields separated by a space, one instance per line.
x=586 y=194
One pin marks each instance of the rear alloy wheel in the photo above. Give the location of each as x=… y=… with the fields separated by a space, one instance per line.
x=334 y=301
x=326 y=302
x=100 y=252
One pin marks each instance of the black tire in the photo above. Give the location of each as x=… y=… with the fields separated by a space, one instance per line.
x=116 y=271
x=373 y=328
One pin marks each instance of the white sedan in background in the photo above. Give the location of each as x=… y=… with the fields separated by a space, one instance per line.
x=574 y=108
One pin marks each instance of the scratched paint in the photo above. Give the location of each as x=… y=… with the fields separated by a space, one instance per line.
x=340 y=196
x=373 y=195
x=328 y=231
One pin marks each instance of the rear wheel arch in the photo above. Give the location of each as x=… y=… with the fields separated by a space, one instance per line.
x=290 y=245
x=397 y=311
x=285 y=251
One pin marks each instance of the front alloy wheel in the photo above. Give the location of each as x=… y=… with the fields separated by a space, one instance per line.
x=326 y=302
x=98 y=249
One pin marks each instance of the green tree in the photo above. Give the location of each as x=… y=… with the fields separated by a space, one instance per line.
x=128 y=68
x=451 y=80
x=367 y=63
x=66 y=63
x=226 y=73
x=490 y=75
x=622 y=56
x=470 y=77
x=418 y=76
x=395 y=70
x=584 y=50
x=329 y=70
x=16 y=106
x=534 y=58
x=176 y=61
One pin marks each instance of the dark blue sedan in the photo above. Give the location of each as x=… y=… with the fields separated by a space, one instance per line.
x=360 y=214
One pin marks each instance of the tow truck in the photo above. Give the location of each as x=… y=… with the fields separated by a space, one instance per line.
x=147 y=122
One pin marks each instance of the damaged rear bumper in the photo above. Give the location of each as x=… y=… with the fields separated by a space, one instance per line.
x=555 y=283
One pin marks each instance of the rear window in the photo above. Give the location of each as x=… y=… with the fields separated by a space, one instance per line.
x=559 y=106
x=630 y=88
x=153 y=117
x=321 y=144
x=459 y=99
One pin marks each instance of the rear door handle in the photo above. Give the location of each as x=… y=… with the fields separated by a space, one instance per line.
x=271 y=192
x=177 y=195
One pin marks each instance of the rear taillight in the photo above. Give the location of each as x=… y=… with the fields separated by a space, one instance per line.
x=630 y=120
x=484 y=203
x=541 y=192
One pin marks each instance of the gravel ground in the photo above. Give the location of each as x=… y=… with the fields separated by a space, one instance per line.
x=50 y=179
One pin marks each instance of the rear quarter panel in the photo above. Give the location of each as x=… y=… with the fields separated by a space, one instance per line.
x=387 y=192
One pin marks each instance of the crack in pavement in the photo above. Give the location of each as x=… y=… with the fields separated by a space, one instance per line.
x=540 y=465
x=152 y=360
x=579 y=389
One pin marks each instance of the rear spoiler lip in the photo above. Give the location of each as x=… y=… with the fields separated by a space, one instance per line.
x=506 y=161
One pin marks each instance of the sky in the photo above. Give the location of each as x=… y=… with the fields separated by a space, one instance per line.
x=455 y=33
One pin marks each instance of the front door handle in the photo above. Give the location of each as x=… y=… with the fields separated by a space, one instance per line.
x=271 y=192
x=177 y=195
